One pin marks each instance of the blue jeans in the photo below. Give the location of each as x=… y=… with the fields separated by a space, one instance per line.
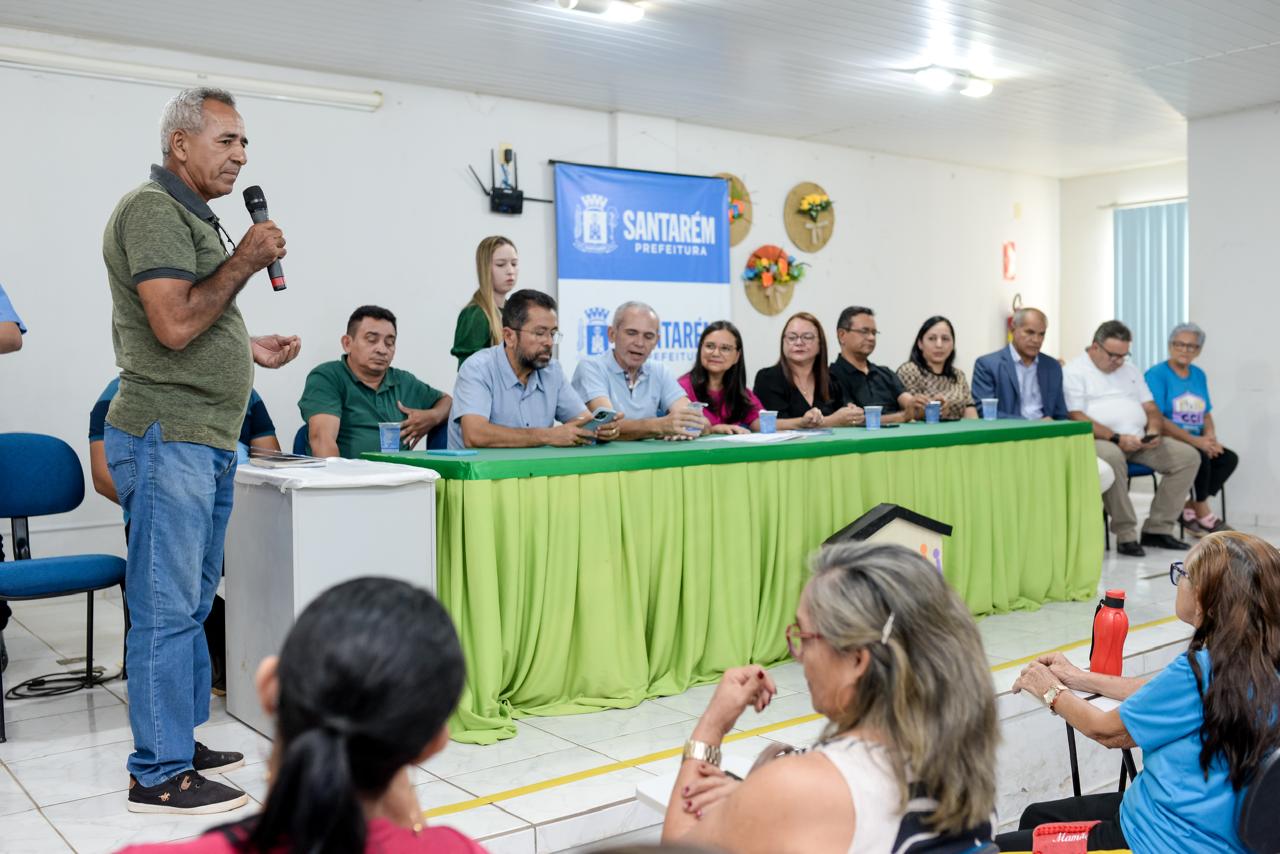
x=178 y=497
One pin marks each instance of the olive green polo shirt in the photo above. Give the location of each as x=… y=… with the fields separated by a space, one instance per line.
x=332 y=389
x=164 y=230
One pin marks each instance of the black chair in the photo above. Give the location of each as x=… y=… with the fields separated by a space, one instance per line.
x=1128 y=768
x=1135 y=470
x=40 y=475
x=1260 y=812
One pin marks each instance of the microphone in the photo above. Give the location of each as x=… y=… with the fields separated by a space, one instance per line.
x=256 y=202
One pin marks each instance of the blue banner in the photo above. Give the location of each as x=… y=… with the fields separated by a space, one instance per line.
x=618 y=224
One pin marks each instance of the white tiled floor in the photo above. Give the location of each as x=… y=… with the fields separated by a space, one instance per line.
x=62 y=778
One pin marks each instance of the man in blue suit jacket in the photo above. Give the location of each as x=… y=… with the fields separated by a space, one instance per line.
x=1028 y=384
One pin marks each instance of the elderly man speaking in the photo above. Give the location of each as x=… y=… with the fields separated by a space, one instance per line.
x=186 y=370
x=624 y=379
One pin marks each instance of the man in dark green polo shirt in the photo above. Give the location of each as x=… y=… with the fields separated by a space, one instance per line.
x=186 y=369
x=344 y=400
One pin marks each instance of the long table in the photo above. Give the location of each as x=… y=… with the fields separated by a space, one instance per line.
x=597 y=577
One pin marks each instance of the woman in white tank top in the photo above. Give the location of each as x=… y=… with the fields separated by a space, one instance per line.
x=907 y=764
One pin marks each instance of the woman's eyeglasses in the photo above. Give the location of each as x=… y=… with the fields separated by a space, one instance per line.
x=796 y=639
x=1177 y=572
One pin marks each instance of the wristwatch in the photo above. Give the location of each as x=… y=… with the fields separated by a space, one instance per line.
x=1115 y=437
x=1051 y=696
x=700 y=751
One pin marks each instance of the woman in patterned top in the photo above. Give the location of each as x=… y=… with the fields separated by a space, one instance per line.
x=931 y=374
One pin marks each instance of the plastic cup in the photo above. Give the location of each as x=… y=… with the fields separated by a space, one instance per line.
x=933 y=412
x=768 y=421
x=872 y=414
x=389 y=436
x=698 y=409
x=989 y=408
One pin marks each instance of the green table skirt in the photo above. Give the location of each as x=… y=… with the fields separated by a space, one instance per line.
x=582 y=592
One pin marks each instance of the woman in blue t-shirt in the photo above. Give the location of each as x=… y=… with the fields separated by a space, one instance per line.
x=1181 y=391
x=1204 y=723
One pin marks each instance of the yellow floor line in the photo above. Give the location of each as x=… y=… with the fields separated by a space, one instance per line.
x=565 y=779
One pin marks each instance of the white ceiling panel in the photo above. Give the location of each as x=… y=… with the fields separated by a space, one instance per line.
x=1082 y=87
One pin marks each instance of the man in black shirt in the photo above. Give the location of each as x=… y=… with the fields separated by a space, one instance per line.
x=861 y=382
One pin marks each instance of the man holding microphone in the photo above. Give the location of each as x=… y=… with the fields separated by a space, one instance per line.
x=186 y=370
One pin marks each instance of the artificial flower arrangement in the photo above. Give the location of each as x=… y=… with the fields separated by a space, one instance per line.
x=769 y=265
x=814 y=204
x=737 y=210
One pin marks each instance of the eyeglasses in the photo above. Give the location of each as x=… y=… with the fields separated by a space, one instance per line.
x=794 y=338
x=870 y=333
x=1177 y=573
x=722 y=349
x=1115 y=357
x=796 y=639
x=553 y=335
x=1183 y=345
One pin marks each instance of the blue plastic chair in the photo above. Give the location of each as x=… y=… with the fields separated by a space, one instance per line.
x=1139 y=470
x=41 y=475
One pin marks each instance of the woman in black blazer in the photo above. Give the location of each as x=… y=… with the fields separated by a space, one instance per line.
x=799 y=386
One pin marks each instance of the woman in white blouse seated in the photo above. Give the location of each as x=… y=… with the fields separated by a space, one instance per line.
x=895 y=663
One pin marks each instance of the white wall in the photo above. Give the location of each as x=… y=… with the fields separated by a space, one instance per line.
x=1234 y=220
x=1088 y=243
x=380 y=208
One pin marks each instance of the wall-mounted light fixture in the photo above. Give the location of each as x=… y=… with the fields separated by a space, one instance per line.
x=174 y=78
x=622 y=11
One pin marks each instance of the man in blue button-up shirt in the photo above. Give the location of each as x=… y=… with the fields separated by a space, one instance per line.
x=625 y=380
x=511 y=395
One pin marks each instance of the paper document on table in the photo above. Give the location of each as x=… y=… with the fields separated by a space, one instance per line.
x=759 y=438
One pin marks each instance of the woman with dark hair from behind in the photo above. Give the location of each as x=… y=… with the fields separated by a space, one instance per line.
x=719 y=379
x=362 y=690
x=799 y=387
x=930 y=373
x=1204 y=723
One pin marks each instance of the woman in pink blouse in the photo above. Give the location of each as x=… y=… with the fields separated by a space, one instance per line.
x=719 y=379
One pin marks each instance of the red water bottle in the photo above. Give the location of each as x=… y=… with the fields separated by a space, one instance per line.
x=1110 y=625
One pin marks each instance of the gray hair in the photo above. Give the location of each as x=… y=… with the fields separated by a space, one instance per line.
x=1188 y=327
x=185 y=111
x=1112 y=329
x=1020 y=316
x=926 y=686
x=632 y=305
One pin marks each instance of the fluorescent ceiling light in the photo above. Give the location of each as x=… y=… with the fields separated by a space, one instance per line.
x=976 y=87
x=936 y=78
x=174 y=78
x=623 y=12
x=619 y=11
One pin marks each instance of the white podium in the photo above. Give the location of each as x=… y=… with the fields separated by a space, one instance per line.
x=295 y=532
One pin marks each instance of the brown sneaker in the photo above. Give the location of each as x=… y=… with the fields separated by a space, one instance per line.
x=185 y=794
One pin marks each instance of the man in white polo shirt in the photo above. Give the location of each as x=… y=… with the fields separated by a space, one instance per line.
x=1103 y=387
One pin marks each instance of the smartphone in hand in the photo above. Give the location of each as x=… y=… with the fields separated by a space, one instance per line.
x=599 y=417
x=1149 y=438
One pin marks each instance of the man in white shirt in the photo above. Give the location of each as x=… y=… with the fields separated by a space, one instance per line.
x=1103 y=387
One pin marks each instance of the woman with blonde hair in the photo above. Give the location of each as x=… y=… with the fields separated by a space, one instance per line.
x=480 y=321
x=894 y=661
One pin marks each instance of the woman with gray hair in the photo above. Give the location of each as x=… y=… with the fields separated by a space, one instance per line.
x=1181 y=391
x=895 y=663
